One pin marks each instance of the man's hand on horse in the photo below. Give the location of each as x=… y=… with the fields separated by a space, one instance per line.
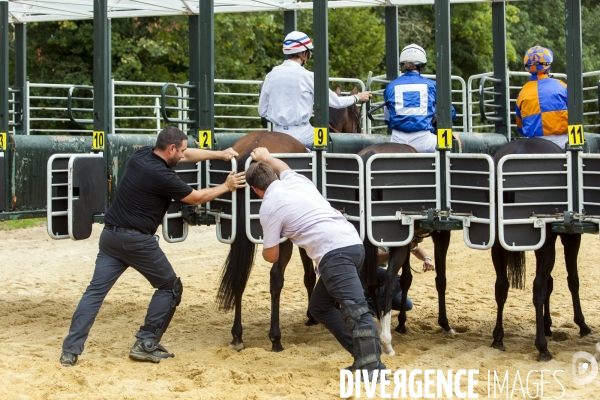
x=236 y=181
x=365 y=96
x=228 y=154
x=428 y=264
x=260 y=154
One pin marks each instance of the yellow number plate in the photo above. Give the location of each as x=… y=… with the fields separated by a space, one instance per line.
x=3 y=140
x=320 y=137
x=98 y=141
x=444 y=138
x=576 y=137
x=205 y=139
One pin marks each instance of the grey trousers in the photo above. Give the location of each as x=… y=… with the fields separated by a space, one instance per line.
x=339 y=281
x=117 y=252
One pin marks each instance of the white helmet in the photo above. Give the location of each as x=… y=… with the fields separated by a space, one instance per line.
x=296 y=42
x=413 y=53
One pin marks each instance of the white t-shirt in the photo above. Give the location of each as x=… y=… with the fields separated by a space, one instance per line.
x=293 y=208
x=287 y=98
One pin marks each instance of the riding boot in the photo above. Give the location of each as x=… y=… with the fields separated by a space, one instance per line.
x=149 y=350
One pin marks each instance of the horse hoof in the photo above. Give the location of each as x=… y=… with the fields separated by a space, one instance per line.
x=277 y=348
x=401 y=329
x=450 y=332
x=311 y=322
x=545 y=356
x=585 y=332
x=237 y=346
x=549 y=334
x=498 y=345
x=388 y=349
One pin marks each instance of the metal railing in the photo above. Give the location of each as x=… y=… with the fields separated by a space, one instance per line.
x=516 y=80
x=12 y=110
x=459 y=101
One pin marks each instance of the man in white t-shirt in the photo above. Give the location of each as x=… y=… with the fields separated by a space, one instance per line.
x=293 y=208
x=288 y=93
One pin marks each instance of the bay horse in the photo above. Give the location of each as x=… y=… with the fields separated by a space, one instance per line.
x=510 y=266
x=239 y=262
x=399 y=257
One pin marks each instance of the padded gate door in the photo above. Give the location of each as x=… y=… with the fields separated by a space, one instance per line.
x=303 y=163
x=470 y=191
x=86 y=193
x=174 y=228
x=57 y=195
x=344 y=187
x=533 y=190
x=224 y=207
x=400 y=188
x=589 y=187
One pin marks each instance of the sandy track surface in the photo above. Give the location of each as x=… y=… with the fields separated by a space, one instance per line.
x=43 y=279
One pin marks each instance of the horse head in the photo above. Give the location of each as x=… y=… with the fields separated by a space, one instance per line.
x=345 y=120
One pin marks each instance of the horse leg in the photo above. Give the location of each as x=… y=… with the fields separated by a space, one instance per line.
x=545 y=257
x=500 y=260
x=441 y=241
x=237 y=343
x=391 y=281
x=310 y=279
x=547 y=316
x=405 y=282
x=571 y=244
x=277 y=271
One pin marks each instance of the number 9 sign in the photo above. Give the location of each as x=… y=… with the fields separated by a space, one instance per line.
x=320 y=137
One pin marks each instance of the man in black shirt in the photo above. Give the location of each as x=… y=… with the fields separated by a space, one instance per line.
x=128 y=239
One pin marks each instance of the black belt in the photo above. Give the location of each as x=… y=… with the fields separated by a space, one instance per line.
x=122 y=230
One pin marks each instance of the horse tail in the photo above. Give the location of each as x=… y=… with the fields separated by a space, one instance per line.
x=238 y=265
x=516 y=269
x=369 y=274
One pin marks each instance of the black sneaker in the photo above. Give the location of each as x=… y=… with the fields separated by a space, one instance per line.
x=149 y=350
x=68 y=359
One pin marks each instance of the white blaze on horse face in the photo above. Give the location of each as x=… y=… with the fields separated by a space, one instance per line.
x=385 y=336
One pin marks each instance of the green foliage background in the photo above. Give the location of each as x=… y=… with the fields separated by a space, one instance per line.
x=248 y=45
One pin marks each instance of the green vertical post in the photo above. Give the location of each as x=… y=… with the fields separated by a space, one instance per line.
x=289 y=22
x=321 y=106
x=443 y=82
x=391 y=42
x=102 y=83
x=21 y=79
x=392 y=46
x=195 y=76
x=4 y=117
x=321 y=64
x=500 y=69
x=574 y=84
x=207 y=68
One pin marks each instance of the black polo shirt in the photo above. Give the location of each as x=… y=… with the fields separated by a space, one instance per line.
x=145 y=193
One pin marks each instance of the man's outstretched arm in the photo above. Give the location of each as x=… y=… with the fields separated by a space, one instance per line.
x=262 y=154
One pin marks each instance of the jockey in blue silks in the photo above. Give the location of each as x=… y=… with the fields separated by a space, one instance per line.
x=410 y=103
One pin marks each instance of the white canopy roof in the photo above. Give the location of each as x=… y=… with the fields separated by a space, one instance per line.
x=60 y=10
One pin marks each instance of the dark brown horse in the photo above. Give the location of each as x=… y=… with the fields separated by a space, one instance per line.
x=400 y=258
x=238 y=265
x=512 y=264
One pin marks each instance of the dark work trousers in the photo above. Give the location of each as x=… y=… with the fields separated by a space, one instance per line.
x=117 y=252
x=339 y=281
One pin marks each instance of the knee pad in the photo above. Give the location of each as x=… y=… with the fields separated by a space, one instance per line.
x=351 y=313
x=367 y=350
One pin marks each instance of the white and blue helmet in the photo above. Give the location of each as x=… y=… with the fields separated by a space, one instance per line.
x=296 y=42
